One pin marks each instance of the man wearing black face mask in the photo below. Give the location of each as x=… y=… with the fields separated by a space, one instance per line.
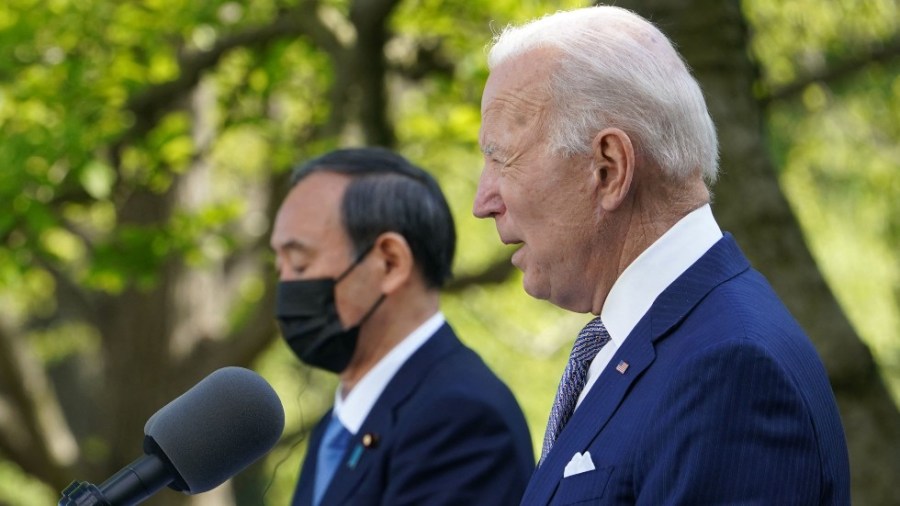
x=364 y=241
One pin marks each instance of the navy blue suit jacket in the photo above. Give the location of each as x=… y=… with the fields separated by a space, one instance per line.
x=724 y=401
x=449 y=432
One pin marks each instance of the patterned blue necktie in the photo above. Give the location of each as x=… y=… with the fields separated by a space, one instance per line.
x=331 y=451
x=591 y=338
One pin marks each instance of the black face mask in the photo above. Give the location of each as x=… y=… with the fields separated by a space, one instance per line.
x=310 y=324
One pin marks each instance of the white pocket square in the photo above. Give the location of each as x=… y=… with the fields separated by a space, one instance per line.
x=580 y=463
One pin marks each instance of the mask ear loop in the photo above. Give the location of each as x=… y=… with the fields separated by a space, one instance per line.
x=371 y=310
x=358 y=260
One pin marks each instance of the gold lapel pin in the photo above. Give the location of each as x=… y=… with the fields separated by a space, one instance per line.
x=370 y=440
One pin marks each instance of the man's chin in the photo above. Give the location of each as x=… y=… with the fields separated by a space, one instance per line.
x=534 y=288
x=540 y=289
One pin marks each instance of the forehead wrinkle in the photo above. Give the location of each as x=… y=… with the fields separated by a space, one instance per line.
x=520 y=112
x=519 y=105
x=516 y=108
x=524 y=78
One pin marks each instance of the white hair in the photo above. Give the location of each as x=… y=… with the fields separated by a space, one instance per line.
x=618 y=70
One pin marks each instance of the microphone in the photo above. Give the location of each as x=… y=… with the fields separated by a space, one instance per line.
x=195 y=443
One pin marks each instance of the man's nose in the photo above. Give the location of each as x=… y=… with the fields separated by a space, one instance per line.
x=488 y=203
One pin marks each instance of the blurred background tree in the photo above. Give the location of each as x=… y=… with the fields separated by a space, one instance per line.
x=147 y=143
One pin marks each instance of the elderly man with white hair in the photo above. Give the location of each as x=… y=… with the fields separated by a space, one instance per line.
x=693 y=384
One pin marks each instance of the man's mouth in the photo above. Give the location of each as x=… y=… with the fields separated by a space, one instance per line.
x=509 y=240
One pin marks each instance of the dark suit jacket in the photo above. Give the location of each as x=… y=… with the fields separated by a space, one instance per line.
x=448 y=433
x=724 y=401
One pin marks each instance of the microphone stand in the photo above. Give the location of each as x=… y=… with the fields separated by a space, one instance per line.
x=133 y=484
x=82 y=493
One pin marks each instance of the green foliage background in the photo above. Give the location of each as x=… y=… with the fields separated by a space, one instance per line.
x=70 y=72
x=836 y=143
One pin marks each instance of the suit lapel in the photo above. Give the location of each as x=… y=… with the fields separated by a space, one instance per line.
x=593 y=414
x=361 y=455
x=722 y=262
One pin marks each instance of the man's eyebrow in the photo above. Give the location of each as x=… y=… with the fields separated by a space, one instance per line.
x=489 y=149
x=293 y=244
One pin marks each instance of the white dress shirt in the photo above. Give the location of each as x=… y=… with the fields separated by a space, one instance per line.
x=647 y=277
x=353 y=410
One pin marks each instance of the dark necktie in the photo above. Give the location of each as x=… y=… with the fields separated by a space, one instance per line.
x=591 y=338
x=331 y=451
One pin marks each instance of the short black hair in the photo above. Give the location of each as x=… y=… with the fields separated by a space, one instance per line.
x=387 y=193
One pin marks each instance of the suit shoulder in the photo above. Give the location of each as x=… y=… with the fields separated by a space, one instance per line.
x=460 y=386
x=462 y=374
x=744 y=320
x=746 y=307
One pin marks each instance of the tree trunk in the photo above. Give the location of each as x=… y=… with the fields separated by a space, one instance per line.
x=148 y=332
x=712 y=37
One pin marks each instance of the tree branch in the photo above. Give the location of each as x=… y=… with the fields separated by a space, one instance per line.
x=152 y=103
x=15 y=438
x=247 y=342
x=430 y=59
x=370 y=17
x=50 y=450
x=238 y=348
x=495 y=273
x=882 y=54
x=69 y=295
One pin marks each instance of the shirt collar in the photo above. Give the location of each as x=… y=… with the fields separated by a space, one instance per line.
x=655 y=269
x=353 y=410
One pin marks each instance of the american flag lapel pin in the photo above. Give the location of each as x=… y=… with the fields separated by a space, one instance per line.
x=622 y=367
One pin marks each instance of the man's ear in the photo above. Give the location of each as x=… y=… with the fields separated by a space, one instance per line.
x=613 y=166
x=396 y=262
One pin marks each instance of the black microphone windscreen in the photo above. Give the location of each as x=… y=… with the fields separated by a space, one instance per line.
x=217 y=428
